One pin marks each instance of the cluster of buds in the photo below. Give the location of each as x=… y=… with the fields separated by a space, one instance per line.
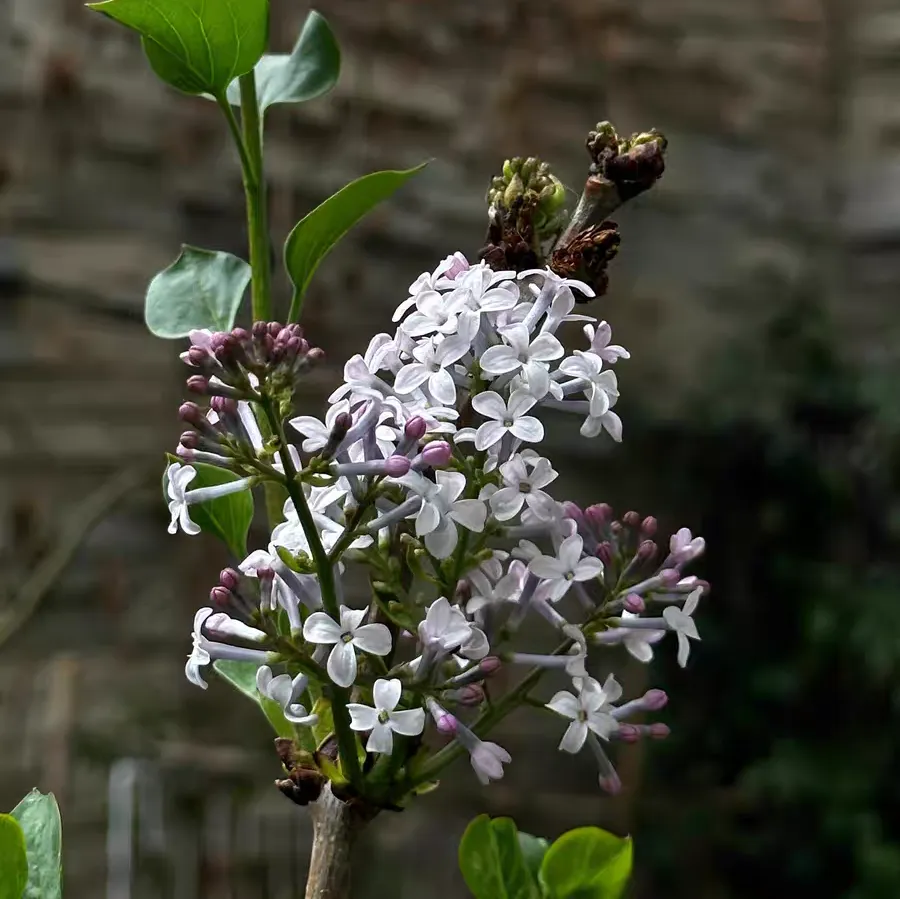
x=427 y=471
x=633 y=164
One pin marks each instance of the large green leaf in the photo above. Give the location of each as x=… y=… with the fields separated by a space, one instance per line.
x=533 y=851
x=308 y=71
x=38 y=815
x=242 y=676
x=587 y=863
x=13 y=861
x=200 y=289
x=227 y=517
x=197 y=46
x=492 y=863
x=314 y=235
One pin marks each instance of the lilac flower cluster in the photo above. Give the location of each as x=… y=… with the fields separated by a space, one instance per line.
x=427 y=470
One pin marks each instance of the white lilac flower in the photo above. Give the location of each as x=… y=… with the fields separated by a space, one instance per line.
x=506 y=418
x=508 y=587
x=521 y=354
x=487 y=759
x=346 y=638
x=442 y=278
x=431 y=361
x=205 y=651
x=436 y=313
x=442 y=510
x=561 y=311
x=285 y=691
x=178 y=477
x=361 y=380
x=600 y=386
x=485 y=290
x=559 y=572
x=385 y=720
x=600 y=344
x=521 y=486
x=315 y=431
x=589 y=711
x=684 y=547
x=639 y=643
x=682 y=623
x=609 y=422
x=444 y=626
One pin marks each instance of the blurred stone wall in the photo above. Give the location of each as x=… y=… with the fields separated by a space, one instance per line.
x=784 y=133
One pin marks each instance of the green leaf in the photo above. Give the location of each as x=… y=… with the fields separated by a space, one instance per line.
x=587 y=863
x=227 y=517
x=38 y=815
x=200 y=289
x=324 y=727
x=314 y=236
x=492 y=863
x=533 y=851
x=13 y=861
x=197 y=46
x=242 y=676
x=310 y=70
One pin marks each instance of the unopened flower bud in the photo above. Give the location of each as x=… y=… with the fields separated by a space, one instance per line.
x=197 y=356
x=605 y=552
x=219 y=596
x=634 y=604
x=223 y=405
x=669 y=577
x=274 y=328
x=628 y=733
x=229 y=578
x=646 y=550
x=415 y=428
x=631 y=519
x=654 y=700
x=396 y=466
x=198 y=384
x=437 y=454
x=470 y=695
x=490 y=665
x=189 y=440
x=598 y=515
x=648 y=526
x=573 y=511
x=191 y=413
x=659 y=731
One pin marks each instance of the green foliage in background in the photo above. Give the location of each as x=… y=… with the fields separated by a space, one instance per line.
x=499 y=862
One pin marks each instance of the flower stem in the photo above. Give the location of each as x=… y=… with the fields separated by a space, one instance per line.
x=325 y=570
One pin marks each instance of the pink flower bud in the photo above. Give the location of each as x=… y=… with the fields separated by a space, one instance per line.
x=646 y=551
x=229 y=578
x=219 y=596
x=654 y=700
x=669 y=577
x=573 y=511
x=265 y=574
x=648 y=526
x=197 y=356
x=659 y=731
x=634 y=604
x=191 y=413
x=604 y=553
x=415 y=428
x=628 y=733
x=471 y=695
x=189 y=439
x=437 y=454
x=599 y=515
x=396 y=466
x=631 y=519
x=446 y=724
x=490 y=665
x=198 y=384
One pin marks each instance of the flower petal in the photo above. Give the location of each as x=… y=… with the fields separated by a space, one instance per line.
x=342 y=663
x=386 y=693
x=381 y=739
x=321 y=628
x=566 y=704
x=528 y=428
x=470 y=513
x=410 y=377
x=506 y=503
x=498 y=360
x=373 y=638
x=362 y=717
x=488 y=434
x=442 y=387
x=409 y=722
x=490 y=405
x=574 y=737
x=442 y=541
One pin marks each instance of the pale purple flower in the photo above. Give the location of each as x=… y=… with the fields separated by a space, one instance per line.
x=600 y=386
x=521 y=354
x=559 y=572
x=346 y=638
x=286 y=691
x=600 y=344
x=589 y=711
x=506 y=418
x=682 y=623
x=385 y=720
x=521 y=486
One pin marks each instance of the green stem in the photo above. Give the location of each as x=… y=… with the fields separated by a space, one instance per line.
x=255 y=191
x=325 y=570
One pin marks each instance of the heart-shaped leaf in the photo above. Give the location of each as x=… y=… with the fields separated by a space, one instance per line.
x=227 y=517
x=314 y=235
x=197 y=46
x=242 y=676
x=533 y=851
x=200 y=289
x=38 y=816
x=13 y=861
x=492 y=863
x=308 y=71
x=587 y=863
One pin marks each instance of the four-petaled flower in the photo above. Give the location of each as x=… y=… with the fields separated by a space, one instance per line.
x=600 y=387
x=521 y=353
x=506 y=418
x=683 y=624
x=348 y=636
x=600 y=344
x=178 y=478
x=522 y=487
x=589 y=710
x=385 y=720
x=285 y=691
x=442 y=510
x=559 y=572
